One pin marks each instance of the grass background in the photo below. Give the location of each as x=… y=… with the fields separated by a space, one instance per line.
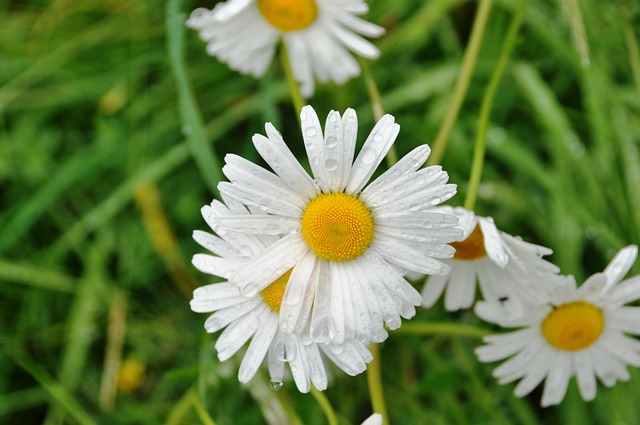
x=112 y=121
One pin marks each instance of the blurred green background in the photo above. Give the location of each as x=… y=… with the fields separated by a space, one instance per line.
x=111 y=114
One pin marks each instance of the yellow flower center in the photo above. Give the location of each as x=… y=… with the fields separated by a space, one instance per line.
x=573 y=326
x=272 y=294
x=471 y=248
x=337 y=226
x=289 y=15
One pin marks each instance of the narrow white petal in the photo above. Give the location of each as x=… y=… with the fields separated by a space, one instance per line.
x=216 y=245
x=492 y=242
x=350 y=131
x=433 y=288
x=258 y=346
x=585 y=375
x=237 y=334
x=409 y=163
x=557 y=381
x=537 y=371
x=375 y=419
x=260 y=224
x=321 y=313
x=408 y=258
x=276 y=153
x=314 y=145
x=315 y=367
x=295 y=294
x=333 y=153
x=626 y=292
x=461 y=290
x=263 y=269
x=215 y=265
x=373 y=151
x=275 y=357
x=225 y=316
x=296 y=358
x=264 y=201
x=392 y=279
x=621 y=264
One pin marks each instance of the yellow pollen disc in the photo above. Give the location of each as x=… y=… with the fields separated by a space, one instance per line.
x=272 y=294
x=573 y=326
x=337 y=226
x=289 y=15
x=471 y=248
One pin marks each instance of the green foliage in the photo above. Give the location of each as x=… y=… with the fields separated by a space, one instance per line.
x=100 y=99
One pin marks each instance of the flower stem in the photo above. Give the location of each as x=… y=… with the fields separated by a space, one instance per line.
x=442 y=328
x=374 y=377
x=462 y=84
x=376 y=105
x=483 y=120
x=325 y=405
x=294 y=88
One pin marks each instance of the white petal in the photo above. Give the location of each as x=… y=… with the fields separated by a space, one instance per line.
x=216 y=245
x=333 y=153
x=557 y=381
x=392 y=279
x=375 y=419
x=461 y=290
x=276 y=153
x=403 y=256
x=314 y=145
x=583 y=369
x=260 y=224
x=620 y=264
x=263 y=269
x=350 y=131
x=373 y=152
x=409 y=163
x=433 y=288
x=258 y=347
x=296 y=294
x=223 y=317
x=492 y=242
x=237 y=334
x=321 y=313
x=315 y=367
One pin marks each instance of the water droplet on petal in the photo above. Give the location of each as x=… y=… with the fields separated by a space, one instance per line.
x=369 y=156
x=331 y=142
x=311 y=131
x=275 y=385
x=377 y=137
x=331 y=164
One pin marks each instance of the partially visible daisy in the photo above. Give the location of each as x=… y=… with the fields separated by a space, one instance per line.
x=580 y=333
x=375 y=419
x=501 y=263
x=348 y=244
x=318 y=35
x=256 y=317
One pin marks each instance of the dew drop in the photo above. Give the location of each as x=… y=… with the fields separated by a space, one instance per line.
x=377 y=137
x=331 y=142
x=369 y=156
x=331 y=164
x=276 y=385
x=311 y=131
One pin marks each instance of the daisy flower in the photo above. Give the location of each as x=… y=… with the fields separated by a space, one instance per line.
x=580 y=333
x=501 y=263
x=318 y=35
x=348 y=244
x=256 y=317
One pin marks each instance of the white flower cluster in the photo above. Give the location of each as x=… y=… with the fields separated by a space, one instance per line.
x=565 y=330
x=316 y=265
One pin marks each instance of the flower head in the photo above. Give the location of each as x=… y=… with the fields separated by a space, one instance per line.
x=346 y=242
x=256 y=317
x=503 y=265
x=580 y=332
x=318 y=35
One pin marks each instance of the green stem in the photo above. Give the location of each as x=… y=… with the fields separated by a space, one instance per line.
x=325 y=405
x=442 y=328
x=462 y=84
x=202 y=413
x=485 y=109
x=294 y=88
x=632 y=44
x=374 y=378
x=194 y=128
x=376 y=105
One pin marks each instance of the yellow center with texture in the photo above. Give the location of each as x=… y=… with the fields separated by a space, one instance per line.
x=337 y=227
x=289 y=15
x=272 y=294
x=573 y=326
x=471 y=248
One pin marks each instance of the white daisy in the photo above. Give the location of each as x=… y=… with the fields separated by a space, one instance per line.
x=501 y=263
x=580 y=333
x=256 y=317
x=348 y=245
x=318 y=35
